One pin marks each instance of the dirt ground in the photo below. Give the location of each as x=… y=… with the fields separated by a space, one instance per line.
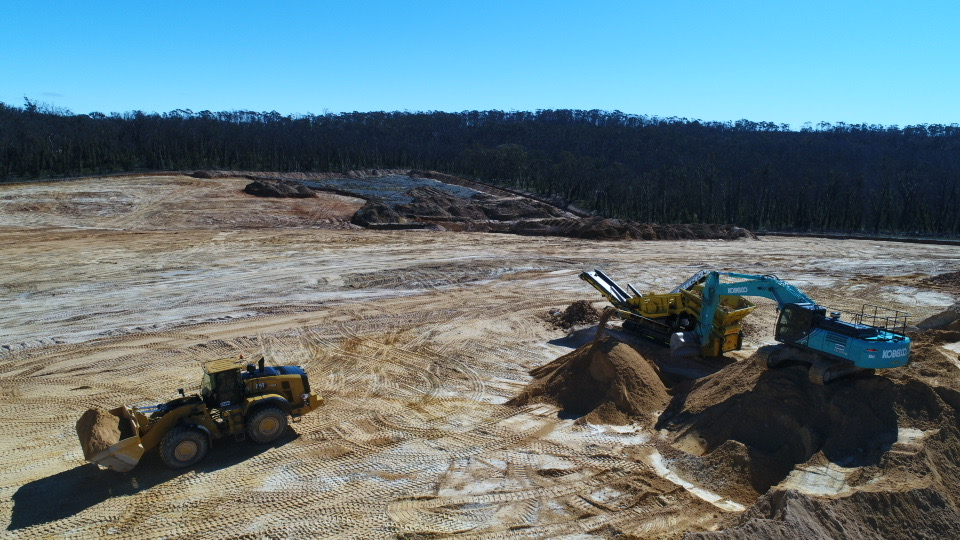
x=114 y=289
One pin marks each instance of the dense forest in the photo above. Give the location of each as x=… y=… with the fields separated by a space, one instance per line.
x=760 y=175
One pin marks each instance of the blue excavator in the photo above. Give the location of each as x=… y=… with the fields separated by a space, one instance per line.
x=701 y=316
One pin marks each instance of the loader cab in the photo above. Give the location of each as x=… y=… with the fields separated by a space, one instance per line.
x=797 y=321
x=222 y=385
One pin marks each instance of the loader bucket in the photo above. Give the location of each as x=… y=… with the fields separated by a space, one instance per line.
x=684 y=344
x=110 y=438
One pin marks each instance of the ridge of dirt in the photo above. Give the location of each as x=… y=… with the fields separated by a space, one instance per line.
x=604 y=382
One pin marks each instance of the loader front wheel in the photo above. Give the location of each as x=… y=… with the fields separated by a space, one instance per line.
x=183 y=446
x=266 y=424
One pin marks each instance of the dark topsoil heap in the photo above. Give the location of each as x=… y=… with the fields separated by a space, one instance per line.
x=278 y=188
x=484 y=212
x=604 y=382
x=742 y=430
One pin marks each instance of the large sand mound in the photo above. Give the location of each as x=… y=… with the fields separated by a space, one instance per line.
x=837 y=457
x=603 y=382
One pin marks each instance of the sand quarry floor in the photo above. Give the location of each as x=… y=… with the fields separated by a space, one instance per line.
x=114 y=289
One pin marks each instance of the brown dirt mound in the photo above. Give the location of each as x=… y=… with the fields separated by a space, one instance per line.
x=579 y=312
x=97 y=430
x=782 y=420
x=377 y=213
x=266 y=188
x=604 y=382
x=744 y=429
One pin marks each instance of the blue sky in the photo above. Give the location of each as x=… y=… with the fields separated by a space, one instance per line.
x=877 y=62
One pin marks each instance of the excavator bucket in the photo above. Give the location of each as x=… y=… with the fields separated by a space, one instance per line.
x=110 y=438
x=684 y=344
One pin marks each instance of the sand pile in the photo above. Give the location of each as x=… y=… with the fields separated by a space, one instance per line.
x=604 y=382
x=97 y=430
x=579 y=312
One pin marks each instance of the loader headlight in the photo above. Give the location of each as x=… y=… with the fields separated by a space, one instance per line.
x=305 y=398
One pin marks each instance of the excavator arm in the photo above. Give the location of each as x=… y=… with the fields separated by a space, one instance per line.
x=751 y=285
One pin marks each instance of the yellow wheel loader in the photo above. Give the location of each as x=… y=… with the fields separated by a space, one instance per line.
x=236 y=399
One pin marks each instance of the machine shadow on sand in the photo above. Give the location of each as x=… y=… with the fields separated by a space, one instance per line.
x=70 y=492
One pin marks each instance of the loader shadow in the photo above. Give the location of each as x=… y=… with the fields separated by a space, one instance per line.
x=70 y=492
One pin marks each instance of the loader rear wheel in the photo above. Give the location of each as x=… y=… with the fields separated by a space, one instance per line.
x=183 y=446
x=266 y=424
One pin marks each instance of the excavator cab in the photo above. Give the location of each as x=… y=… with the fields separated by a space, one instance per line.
x=797 y=321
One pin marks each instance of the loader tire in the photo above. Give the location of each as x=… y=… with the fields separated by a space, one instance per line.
x=266 y=424
x=183 y=446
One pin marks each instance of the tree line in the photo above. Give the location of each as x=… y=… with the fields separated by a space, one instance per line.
x=826 y=177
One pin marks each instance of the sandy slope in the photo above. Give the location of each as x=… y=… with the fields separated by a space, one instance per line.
x=113 y=289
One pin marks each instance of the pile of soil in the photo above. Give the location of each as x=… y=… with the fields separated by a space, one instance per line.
x=278 y=188
x=745 y=432
x=97 y=430
x=579 y=312
x=949 y=279
x=603 y=382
